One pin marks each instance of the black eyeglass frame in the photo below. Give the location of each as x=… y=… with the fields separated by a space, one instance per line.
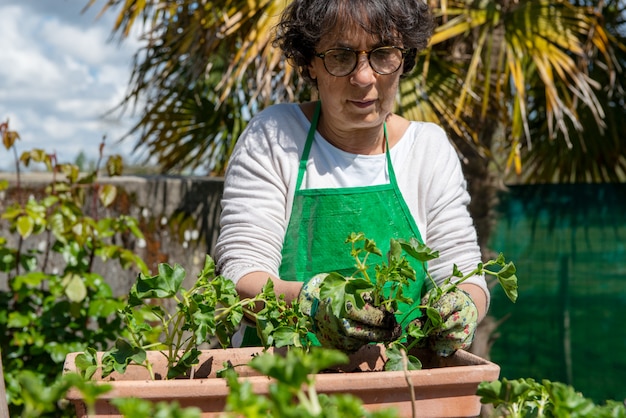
x=357 y=53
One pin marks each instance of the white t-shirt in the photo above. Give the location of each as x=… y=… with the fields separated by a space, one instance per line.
x=261 y=179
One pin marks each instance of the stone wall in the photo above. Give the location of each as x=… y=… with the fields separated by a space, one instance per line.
x=179 y=217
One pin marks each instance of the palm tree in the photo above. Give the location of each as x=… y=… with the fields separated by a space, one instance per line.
x=205 y=67
x=535 y=77
x=498 y=73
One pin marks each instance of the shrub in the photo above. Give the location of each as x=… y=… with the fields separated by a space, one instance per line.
x=50 y=309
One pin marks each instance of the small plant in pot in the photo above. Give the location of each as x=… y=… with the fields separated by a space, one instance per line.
x=392 y=276
x=211 y=310
x=167 y=345
x=208 y=313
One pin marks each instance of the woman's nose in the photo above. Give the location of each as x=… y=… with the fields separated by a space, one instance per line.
x=363 y=73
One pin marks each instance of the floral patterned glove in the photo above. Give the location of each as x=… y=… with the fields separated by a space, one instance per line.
x=361 y=326
x=459 y=315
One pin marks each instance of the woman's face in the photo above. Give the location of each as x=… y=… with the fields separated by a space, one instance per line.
x=363 y=98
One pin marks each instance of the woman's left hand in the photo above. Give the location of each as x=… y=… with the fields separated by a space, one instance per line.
x=459 y=317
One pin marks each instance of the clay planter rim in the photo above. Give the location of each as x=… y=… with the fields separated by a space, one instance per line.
x=446 y=389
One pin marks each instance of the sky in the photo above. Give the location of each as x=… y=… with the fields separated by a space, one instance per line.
x=61 y=72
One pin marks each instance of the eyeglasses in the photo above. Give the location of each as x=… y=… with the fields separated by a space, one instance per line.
x=342 y=61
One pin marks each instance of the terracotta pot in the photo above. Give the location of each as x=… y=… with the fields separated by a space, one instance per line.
x=443 y=388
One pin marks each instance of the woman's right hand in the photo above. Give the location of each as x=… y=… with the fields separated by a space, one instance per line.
x=361 y=326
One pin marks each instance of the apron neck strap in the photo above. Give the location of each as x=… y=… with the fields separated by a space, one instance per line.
x=311 y=136
x=392 y=174
x=309 y=142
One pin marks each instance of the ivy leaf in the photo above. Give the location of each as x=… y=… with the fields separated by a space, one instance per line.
x=185 y=363
x=434 y=316
x=87 y=363
x=491 y=392
x=166 y=284
x=296 y=367
x=418 y=250
x=396 y=362
x=370 y=247
x=285 y=336
x=415 y=331
x=339 y=290
x=203 y=323
x=508 y=280
x=118 y=358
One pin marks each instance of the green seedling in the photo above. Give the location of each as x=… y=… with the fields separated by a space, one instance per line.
x=210 y=311
x=392 y=276
x=521 y=398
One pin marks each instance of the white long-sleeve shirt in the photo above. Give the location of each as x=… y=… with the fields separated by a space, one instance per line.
x=261 y=180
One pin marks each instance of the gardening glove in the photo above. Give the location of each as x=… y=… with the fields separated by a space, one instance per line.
x=360 y=327
x=459 y=320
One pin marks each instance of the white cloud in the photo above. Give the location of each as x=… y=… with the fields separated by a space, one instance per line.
x=60 y=75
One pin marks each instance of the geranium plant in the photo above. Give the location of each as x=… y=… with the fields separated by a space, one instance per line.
x=161 y=314
x=393 y=275
x=520 y=398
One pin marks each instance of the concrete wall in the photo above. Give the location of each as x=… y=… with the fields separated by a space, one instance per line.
x=179 y=217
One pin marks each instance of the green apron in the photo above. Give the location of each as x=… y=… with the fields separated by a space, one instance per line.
x=322 y=219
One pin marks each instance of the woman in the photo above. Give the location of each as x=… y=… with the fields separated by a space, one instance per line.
x=305 y=176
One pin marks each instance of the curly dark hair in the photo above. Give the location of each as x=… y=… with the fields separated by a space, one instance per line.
x=304 y=22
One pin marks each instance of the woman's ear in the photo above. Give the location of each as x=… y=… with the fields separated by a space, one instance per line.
x=312 y=71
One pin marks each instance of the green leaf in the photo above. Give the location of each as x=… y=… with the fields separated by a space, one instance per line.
x=30 y=280
x=118 y=358
x=203 y=323
x=87 y=363
x=75 y=289
x=115 y=165
x=508 y=280
x=339 y=290
x=134 y=407
x=184 y=364
x=166 y=284
x=491 y=392
x=285 y=336
x=19 y=320
x=107 y=194
x=12 y=212
x=418 y=250
x=241 y=399
x=89 y=390
x=415 y=332
x=396 y=360
x=434 y=316
x=39 y=396
x=298 y=364
x=7 y=260
x=29 y=262
x=370 y=247
x=25 y=225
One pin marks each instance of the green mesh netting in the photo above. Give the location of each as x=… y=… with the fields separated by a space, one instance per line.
x=569 y=323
